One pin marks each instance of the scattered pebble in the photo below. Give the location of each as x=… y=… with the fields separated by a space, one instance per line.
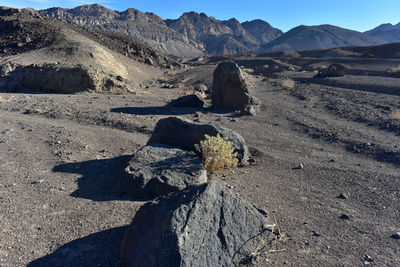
x=396 y=235
x=343 y=196
x=299 y=167
x=38 y=181
x=368 y=258
x=316 y=234
x=344 y=217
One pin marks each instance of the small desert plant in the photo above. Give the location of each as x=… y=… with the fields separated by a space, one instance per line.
x=248 y=70
x=396 y=114
x=287 y=83
x=217 y=153
x=396 y=70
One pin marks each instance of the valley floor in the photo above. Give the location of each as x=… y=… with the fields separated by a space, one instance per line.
x=60 y=155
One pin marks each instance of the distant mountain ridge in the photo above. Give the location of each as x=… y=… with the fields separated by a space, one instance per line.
x=318 y=37
x=195 y=34
x=192 y=34
x=146 y=26
x=388 y=32
x=224 y=37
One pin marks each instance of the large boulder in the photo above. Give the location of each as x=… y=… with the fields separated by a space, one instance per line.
x=185 y=133
x=187 y=101
x=204 y=225
x=160 y=169
x=58 y=78
x=334 y=70
x=230 y=90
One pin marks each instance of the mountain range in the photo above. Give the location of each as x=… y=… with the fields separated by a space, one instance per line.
x=194 y=34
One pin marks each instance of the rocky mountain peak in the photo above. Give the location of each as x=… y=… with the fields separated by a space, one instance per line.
x=94 y=10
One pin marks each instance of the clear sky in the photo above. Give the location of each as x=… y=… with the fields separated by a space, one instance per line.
x=358 y=15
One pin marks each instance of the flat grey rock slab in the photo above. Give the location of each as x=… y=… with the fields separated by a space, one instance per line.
x=159 y=169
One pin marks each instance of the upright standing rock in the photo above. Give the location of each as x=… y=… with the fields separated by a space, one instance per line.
x=230 y=90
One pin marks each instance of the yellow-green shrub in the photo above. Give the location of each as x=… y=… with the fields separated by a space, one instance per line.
x=217 y=153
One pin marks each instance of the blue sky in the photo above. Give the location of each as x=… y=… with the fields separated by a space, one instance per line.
x=358 y=15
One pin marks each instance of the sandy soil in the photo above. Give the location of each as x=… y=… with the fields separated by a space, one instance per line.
x=60 y=156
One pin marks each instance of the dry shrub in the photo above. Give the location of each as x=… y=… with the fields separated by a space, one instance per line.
x=247 y=70
x=183 y=90
x=396 y=70
x=217 y=153
x=396 y=114
x=287 y=83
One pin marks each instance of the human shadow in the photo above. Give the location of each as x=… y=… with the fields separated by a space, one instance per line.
x=99 y=177
x=98 y=249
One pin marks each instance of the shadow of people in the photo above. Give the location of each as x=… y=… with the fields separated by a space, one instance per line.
x=98 y=249
x=99 y=177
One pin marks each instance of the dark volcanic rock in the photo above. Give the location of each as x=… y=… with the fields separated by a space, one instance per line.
x=230 y=90
x=205 y=225
x=161 y=169
x=187 y=101
x=185 y=134
x=334 y=70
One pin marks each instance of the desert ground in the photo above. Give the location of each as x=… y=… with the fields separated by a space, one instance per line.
x=61 y=154
x=325 y=152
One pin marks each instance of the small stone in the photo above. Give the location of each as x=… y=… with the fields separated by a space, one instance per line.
x=342 y=196
x=261 y=210
x=368 y=258
x=396 y=235
x=38 y=181
x=344 y=217
x=316 y=234
x=299 y=167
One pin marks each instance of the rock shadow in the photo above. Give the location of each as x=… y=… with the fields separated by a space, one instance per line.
x=98 y=249
x=160 y=110
x=99 y=177
x=173 y=111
